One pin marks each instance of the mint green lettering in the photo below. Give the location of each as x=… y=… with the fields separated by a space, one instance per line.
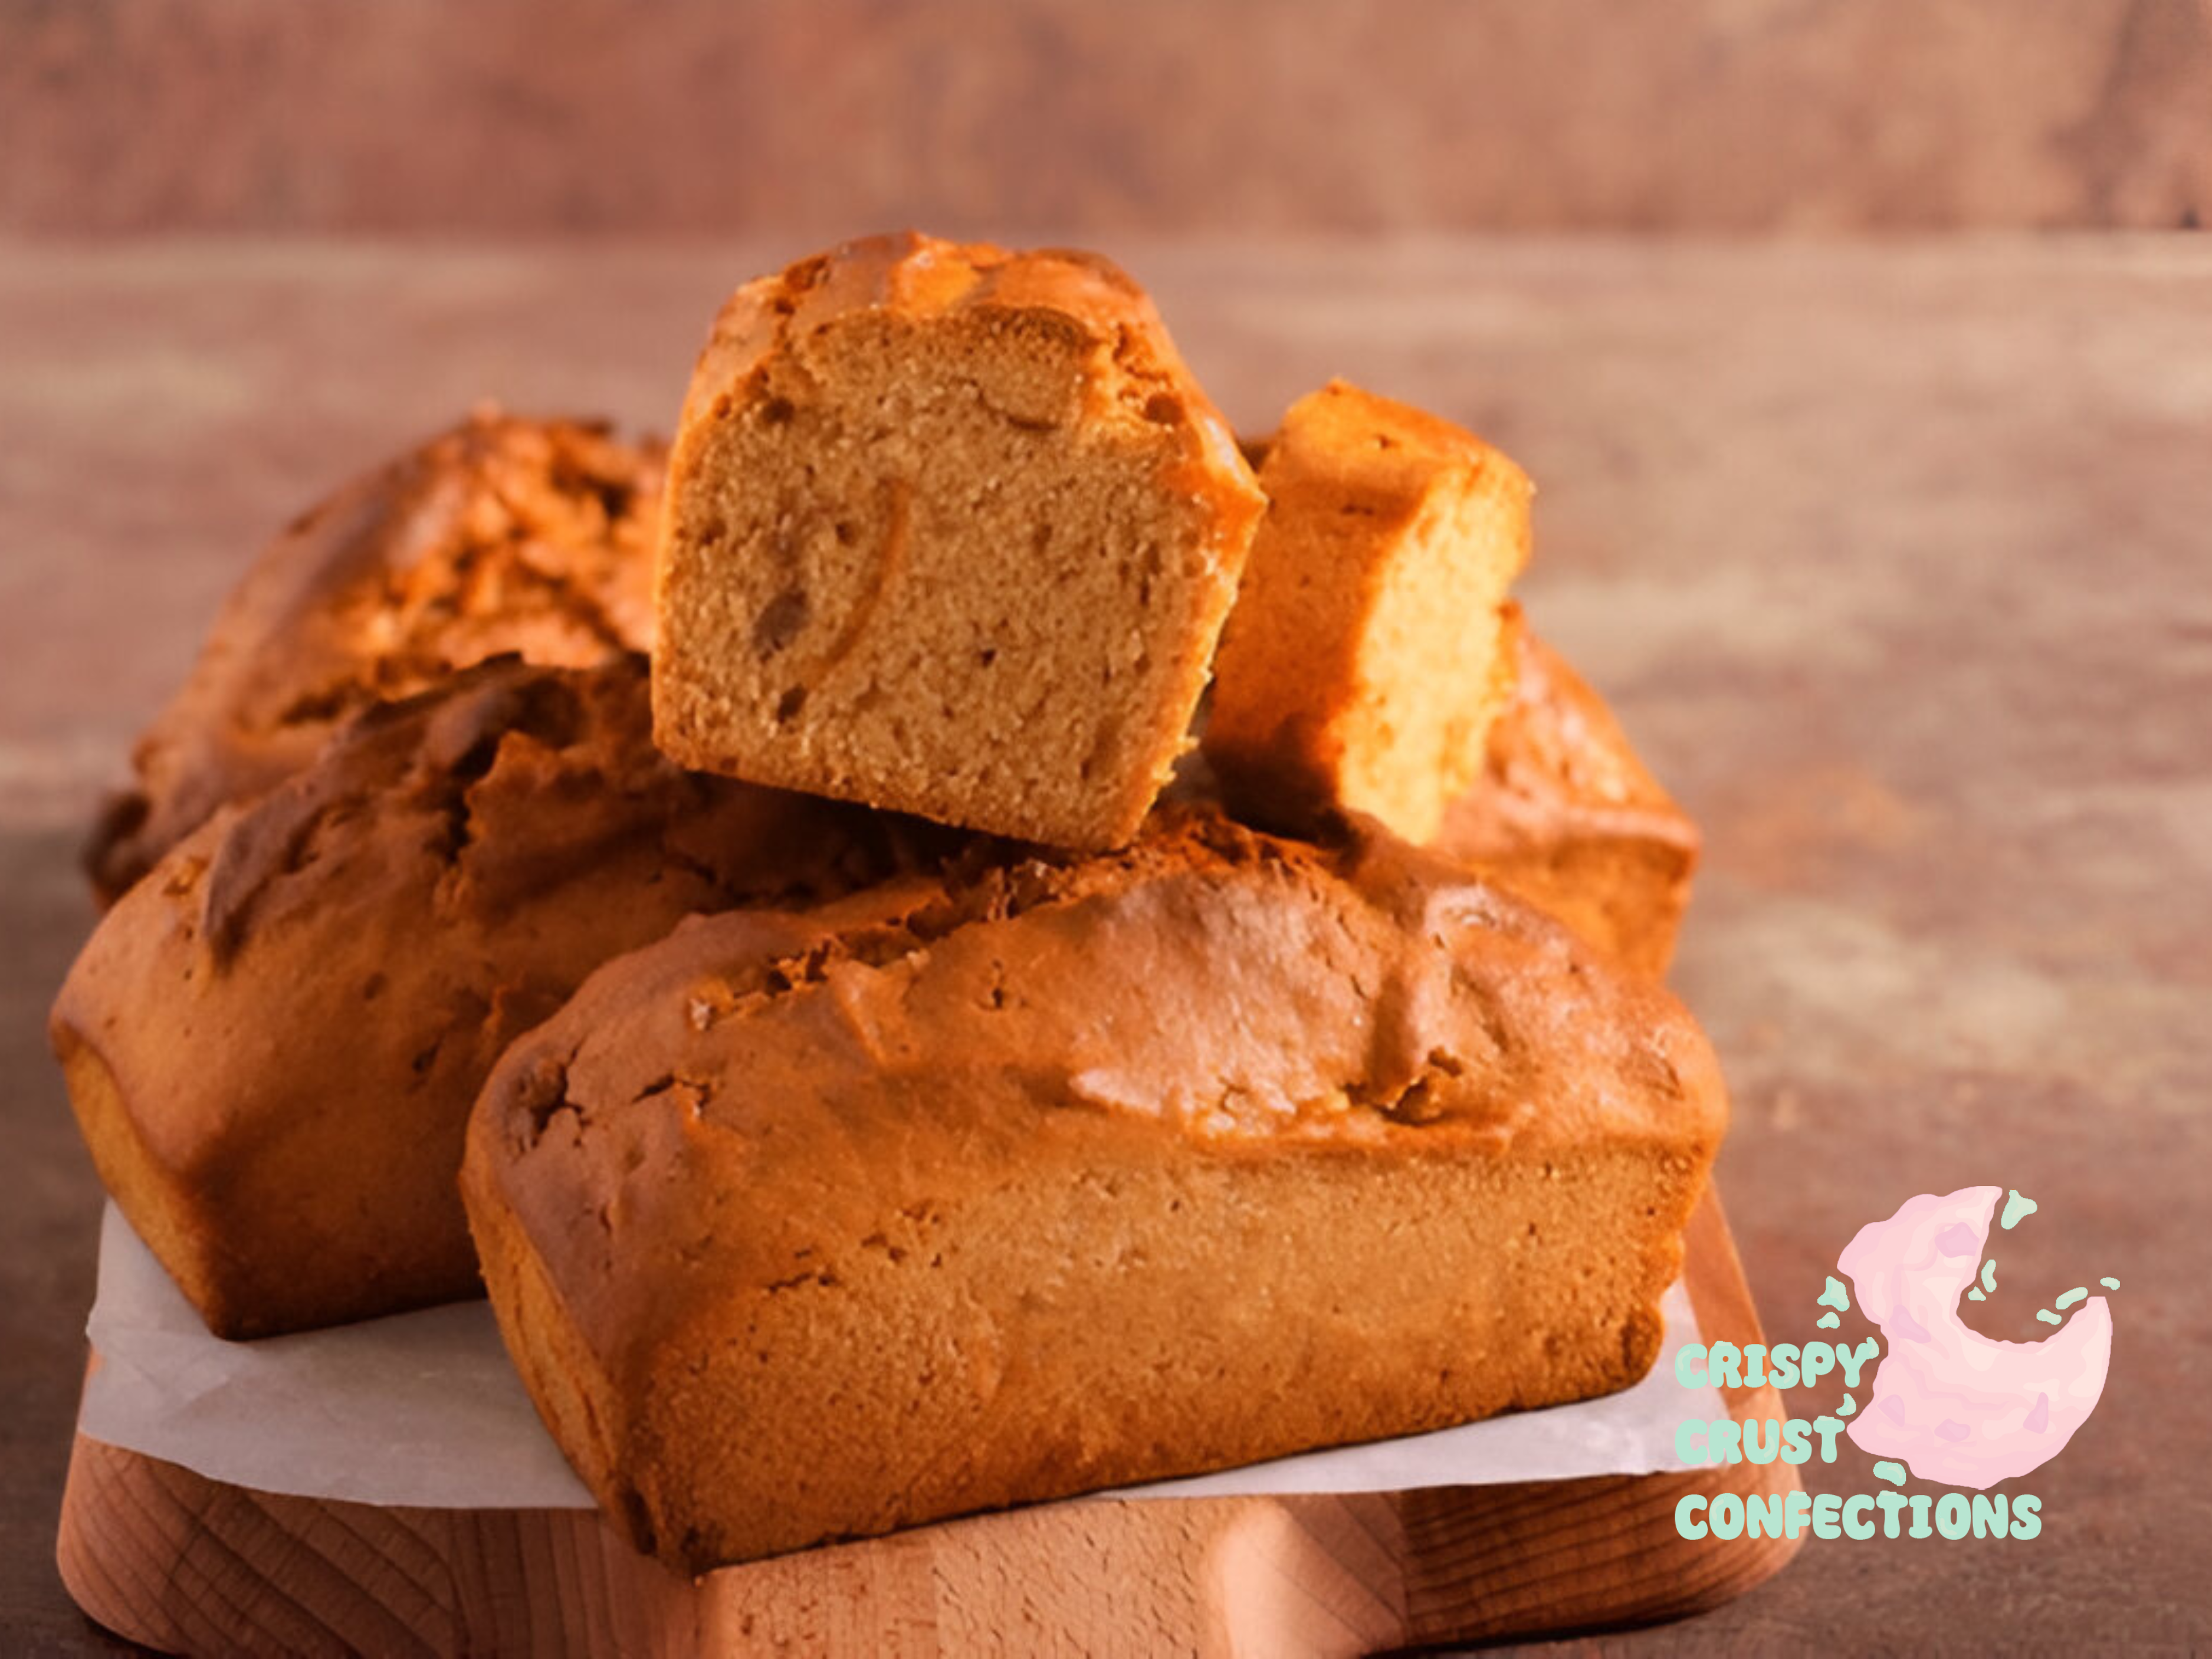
x=1690 y=1365
x=1827 y=1428
x=1796 y=1440
x=1855 y=1523
x=1892 y=1505
x=1763 y=1515
x=1988 y=1514
x=1685 y=1513
x=1796 y=1512
x=1759 y=1449
x=1827 y=1515
x=2026 y=1515
x=1720 y=1440
x=1782 y=1364
x=1689 y=1431
x=1721 y=1360
x=1852 y=1359
x=1922 y=1503
x=1815 y=1361
x=1724 y=1515
x=1953 y=1515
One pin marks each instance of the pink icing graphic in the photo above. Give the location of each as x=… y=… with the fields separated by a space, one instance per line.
x=1958 y=1239
x=1956 y=1407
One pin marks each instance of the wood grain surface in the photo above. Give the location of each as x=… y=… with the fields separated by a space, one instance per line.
x=1894 y=559
x=1070 y=119
x=193 y=1565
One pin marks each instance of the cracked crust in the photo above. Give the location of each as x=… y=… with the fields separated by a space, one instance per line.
x=951 y=530
x=502 y=535
x=989 y=1188
x=273 y=1041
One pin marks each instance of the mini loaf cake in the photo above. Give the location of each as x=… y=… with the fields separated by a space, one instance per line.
x=1567 y=817
x=273 y=1041
x=502 y=535
x=1064 y=1175
x=950 y=530
x=1361 y=666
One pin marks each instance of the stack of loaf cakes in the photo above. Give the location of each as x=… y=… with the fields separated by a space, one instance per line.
x=938 y=944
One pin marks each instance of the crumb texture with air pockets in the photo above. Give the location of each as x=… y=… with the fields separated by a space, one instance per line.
x=950 y=530
x=1362 y=665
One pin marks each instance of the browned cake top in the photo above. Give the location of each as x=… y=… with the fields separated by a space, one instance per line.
x=299 y=1003
x=504 y=833
x=926 y=277
x=503 y=534
x=1226 y=990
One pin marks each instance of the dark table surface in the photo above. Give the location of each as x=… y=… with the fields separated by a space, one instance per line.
x=1896 y=559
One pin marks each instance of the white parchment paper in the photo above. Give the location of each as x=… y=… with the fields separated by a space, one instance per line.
x=424 y=1409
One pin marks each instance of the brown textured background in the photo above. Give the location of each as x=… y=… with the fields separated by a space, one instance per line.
x=1893 y=548
x=822 y=117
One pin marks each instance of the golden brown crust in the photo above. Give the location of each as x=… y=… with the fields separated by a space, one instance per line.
x=1566 y=815
x=1068 y=1173
x=1359 y=669
x=951 y=530
x=503 y=534
x=1563 y=814
x=273 y=1041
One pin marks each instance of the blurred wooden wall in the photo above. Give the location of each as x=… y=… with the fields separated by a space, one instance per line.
x=1248 y=117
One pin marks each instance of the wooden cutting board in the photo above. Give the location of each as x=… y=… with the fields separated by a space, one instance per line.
x=187 y=1565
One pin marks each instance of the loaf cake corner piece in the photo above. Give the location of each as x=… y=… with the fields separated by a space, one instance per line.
x=1364 y=662
x=950 y=530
